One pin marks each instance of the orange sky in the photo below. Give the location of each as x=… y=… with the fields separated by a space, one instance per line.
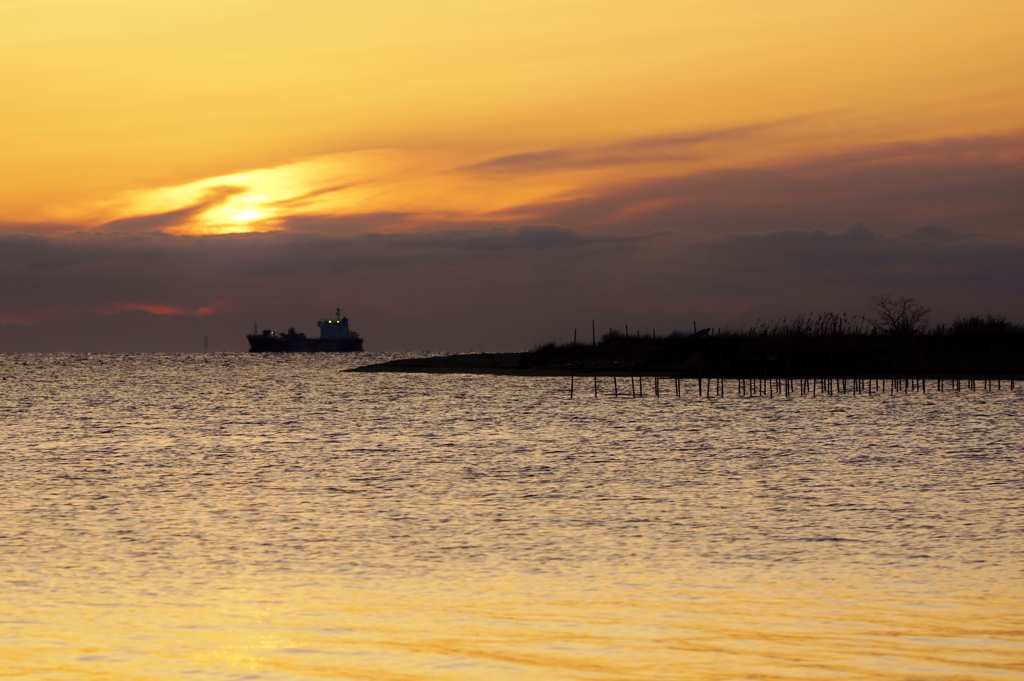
x=239 y=115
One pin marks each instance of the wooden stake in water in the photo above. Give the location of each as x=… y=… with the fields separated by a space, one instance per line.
x=572 y=384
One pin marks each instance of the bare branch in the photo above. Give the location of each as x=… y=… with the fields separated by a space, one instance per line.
x=898 y=315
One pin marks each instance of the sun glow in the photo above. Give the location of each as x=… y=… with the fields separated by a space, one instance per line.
x=247 y=216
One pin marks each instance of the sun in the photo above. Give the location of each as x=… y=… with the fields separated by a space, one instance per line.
x=247 y=215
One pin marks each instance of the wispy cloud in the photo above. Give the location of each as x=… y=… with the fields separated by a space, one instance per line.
x=161 y=309
x=705 y=181
x=967 y=183
x=17 y=320
x=642 y=150
x=213 y=197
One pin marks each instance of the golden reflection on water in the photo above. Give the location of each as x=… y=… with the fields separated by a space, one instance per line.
x=157 y=522
x=564 y=626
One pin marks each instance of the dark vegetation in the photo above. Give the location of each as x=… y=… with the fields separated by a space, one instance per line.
x=896 y=342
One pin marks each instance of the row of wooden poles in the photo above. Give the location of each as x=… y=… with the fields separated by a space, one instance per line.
x=786 y=387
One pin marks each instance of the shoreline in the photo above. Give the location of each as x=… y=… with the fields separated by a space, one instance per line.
x=992 y=354
x=498 y=363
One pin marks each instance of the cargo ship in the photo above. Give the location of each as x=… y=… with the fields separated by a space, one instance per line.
x=335 y=336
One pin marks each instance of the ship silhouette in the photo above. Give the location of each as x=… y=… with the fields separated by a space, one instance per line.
x=335 y=336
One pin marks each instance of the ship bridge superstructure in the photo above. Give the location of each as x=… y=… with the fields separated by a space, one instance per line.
x=336 y=329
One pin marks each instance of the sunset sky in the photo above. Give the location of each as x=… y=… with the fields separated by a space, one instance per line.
x=461 y=175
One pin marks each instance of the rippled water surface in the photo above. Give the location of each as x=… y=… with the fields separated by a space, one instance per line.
x=248 y=517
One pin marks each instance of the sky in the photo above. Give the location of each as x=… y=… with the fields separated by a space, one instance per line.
x=490 y=176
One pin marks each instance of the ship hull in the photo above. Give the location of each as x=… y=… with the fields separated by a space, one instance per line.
x=260 y=343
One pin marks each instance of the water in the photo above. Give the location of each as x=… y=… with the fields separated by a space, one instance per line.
x=248 y=517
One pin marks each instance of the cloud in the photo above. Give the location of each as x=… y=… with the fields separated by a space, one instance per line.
x=351 y=224
x=633 y=187
x=932 y=233
x=159 y=309
x=500 y=239
x=476 y=289
x=649 y=149
x=970 y=184
x=158 y=221
x=315 y=194
x=11 y=320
